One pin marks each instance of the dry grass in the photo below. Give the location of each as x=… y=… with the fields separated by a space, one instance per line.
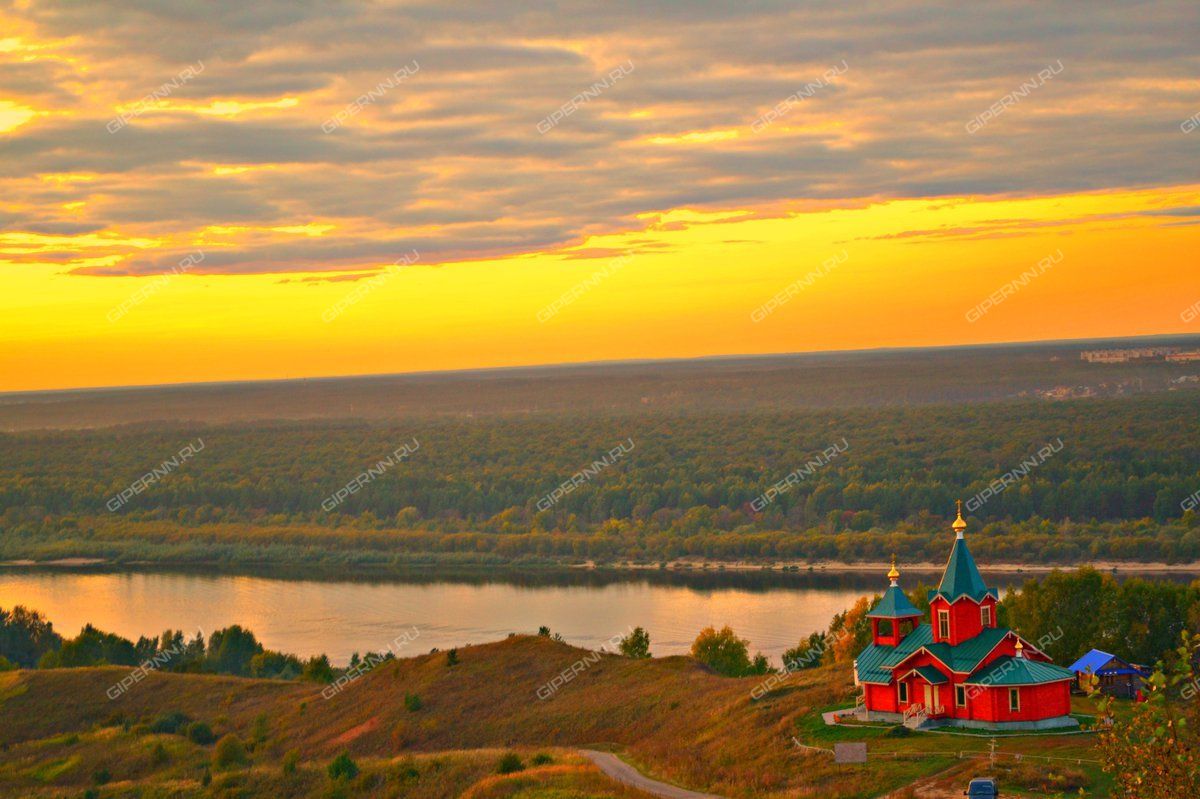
x=672 y=718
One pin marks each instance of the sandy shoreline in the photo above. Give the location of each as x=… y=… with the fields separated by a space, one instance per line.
x=1119 y=567
x=916 y=568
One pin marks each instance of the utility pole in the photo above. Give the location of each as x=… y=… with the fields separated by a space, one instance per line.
x=992 y=747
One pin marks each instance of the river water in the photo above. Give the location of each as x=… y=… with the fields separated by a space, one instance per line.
x=339 y=614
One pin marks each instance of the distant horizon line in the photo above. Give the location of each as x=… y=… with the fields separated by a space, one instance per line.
x=601 y=363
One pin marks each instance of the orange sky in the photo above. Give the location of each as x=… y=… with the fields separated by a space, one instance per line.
x=898 y=273
x=269 y=196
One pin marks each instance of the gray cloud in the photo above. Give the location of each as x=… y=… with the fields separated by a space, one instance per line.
x=450 y=161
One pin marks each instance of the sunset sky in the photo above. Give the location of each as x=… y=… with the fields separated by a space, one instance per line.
x=274 y=189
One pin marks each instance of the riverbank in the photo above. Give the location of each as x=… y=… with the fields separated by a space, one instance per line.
x=421 y=560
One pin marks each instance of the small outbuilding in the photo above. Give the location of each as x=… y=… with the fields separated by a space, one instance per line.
x=1115 y=676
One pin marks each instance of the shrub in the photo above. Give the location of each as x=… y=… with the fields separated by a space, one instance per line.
x=343 y=768
x=541 y=759
x=290 y=761
x=636 y=644
x=6 y=664
x=101 y=776
x=722 y=651
x=544 y=631
x=413 y=703
x=229 y=752
x=451 y=658
x=200 y=733
x=261 y=729
x=172 y=723
x=510 y=764
x=807 y=654
x=206 y=777
x=159 y=755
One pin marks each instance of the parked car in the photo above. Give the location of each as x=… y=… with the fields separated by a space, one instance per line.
x=981 y=789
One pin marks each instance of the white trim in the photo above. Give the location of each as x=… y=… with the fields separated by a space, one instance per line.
x=988 y=595
x=927 y=652
x=1013 y=693
x=990 y=621
x=923 y=677
x=943 y=613
x=984 y=660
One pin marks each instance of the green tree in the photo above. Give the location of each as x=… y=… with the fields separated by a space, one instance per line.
x=636 y=644
x=231 y=650
x=25 y=636
x=317 y=669
x=1153 y=750
x=343 y=768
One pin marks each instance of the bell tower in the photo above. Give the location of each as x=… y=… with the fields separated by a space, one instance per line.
x=894 y=616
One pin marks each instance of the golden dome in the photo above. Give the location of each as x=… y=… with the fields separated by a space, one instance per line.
x=894 y=574
x=959 y=524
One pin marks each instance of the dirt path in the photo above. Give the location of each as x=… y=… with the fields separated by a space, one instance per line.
x=622 y=772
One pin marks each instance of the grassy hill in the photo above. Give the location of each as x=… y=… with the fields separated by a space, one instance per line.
x=671 y=717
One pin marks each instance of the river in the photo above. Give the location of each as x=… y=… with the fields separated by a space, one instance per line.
x=338 y=614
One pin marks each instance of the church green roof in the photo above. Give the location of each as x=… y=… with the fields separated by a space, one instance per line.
x=961 y=577
x=894 y=605
x=875 y=663
x=1011 y=671
x=931 y=675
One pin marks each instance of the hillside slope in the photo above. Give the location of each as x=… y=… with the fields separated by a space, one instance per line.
x=670 y=717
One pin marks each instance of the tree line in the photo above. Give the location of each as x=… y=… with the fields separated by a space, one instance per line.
x=1119 y=484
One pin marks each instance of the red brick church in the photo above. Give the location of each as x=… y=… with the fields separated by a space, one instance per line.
x=963 y=669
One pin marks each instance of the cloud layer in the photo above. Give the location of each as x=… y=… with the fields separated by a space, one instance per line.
x=456 y=160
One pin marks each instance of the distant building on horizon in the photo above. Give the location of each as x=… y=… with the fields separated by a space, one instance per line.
x=963 y=669
x=1126 y=355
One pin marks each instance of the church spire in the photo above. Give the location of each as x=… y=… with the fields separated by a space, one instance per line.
x=894 y=574
x=961 y=577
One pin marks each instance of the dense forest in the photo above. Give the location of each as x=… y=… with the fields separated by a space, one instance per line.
x=1068 y=481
